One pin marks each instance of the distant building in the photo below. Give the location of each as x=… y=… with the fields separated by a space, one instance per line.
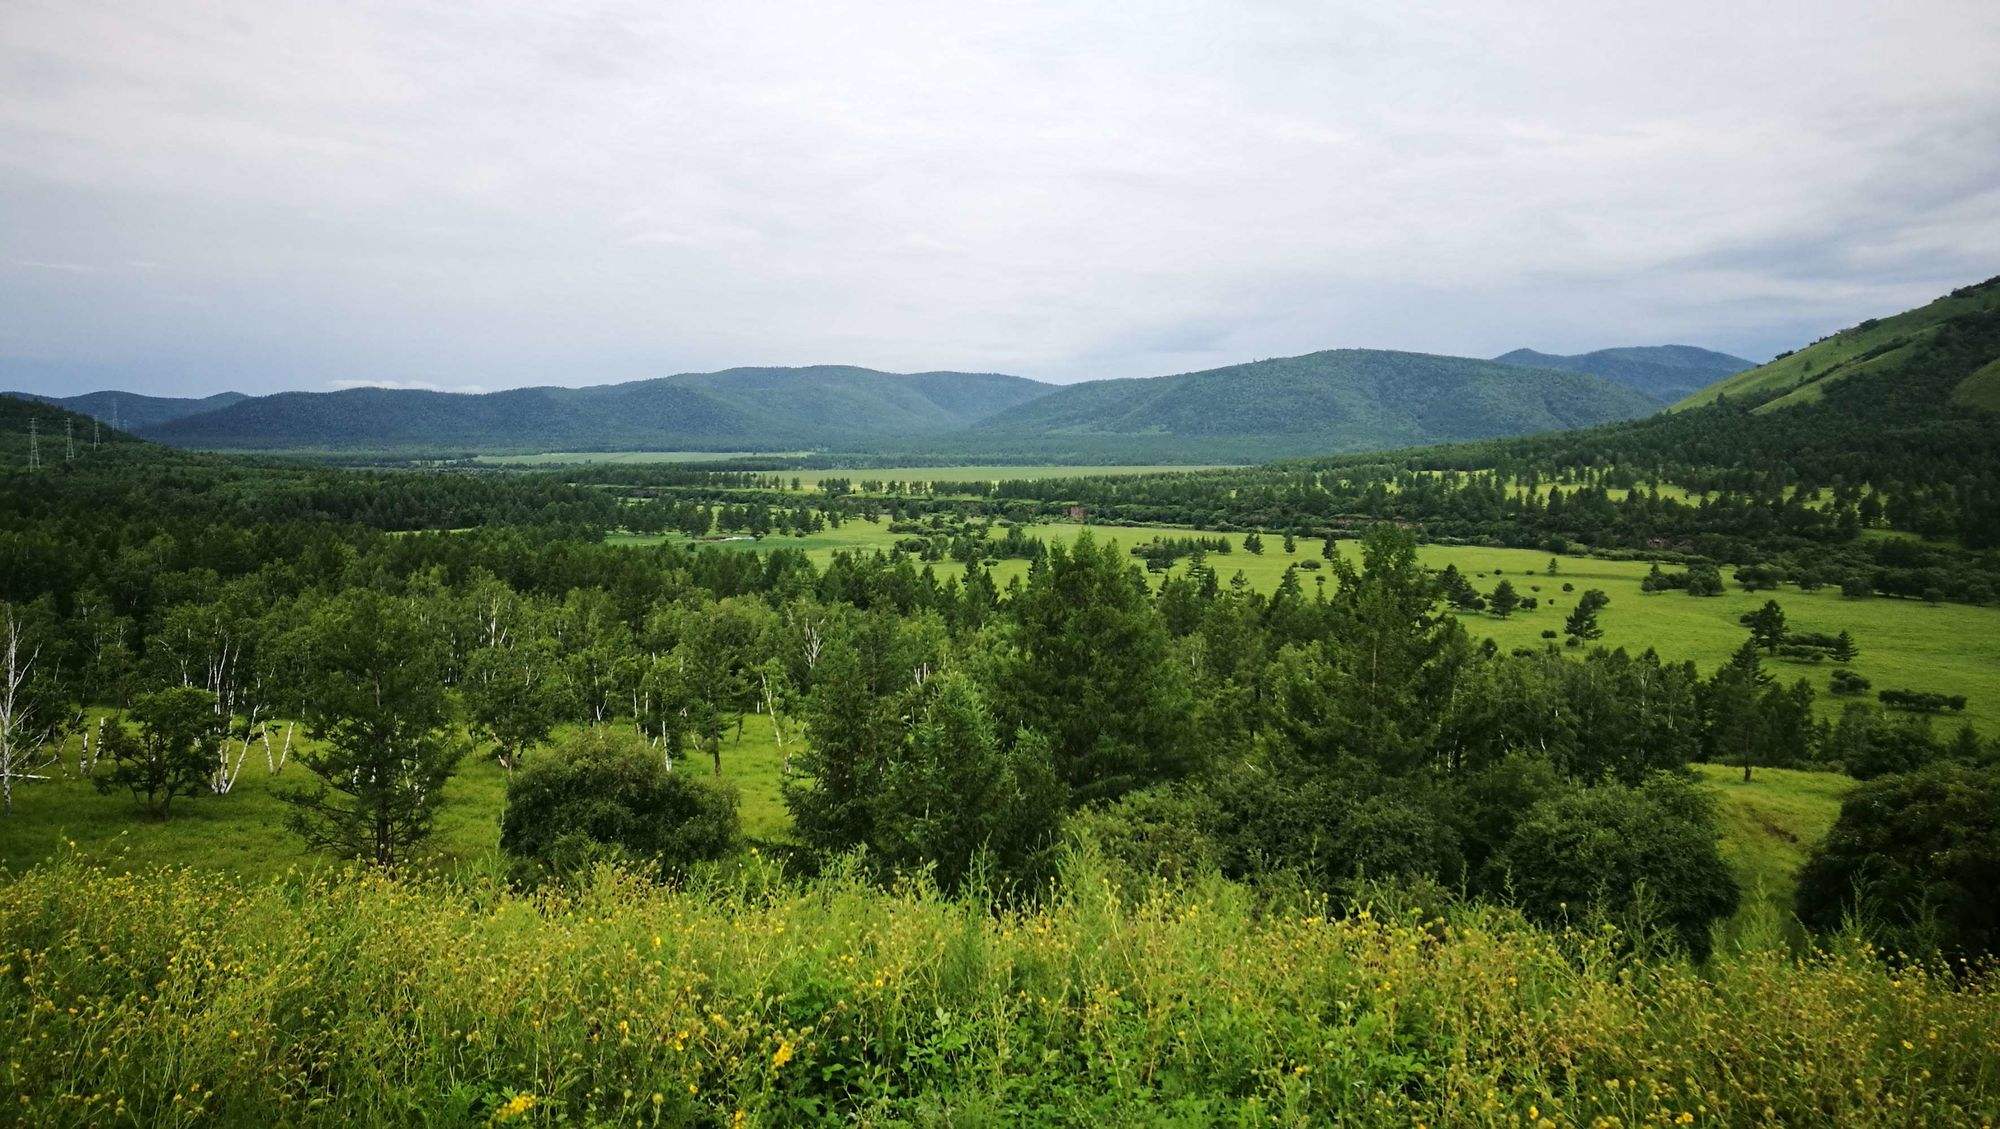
x=1078 y=513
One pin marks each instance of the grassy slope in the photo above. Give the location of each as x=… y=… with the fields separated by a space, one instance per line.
x=1801 y=376
x=1768 y=827
x=1980 y=390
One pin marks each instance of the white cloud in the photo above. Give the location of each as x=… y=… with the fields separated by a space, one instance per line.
x=574 y=194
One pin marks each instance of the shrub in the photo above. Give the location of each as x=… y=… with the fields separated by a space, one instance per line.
x=1616 y=852
x=1847 y=682
x=172 y=754
x=1918 y=856
x=606 y=796
x=1165 y=832
x=1921 y=701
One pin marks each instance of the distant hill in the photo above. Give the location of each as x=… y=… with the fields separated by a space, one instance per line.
x=1337 y=400
x=131 y=410
x=1666 y=373
x=736 y=409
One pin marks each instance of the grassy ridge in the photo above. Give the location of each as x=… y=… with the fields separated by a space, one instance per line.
x=173 y=998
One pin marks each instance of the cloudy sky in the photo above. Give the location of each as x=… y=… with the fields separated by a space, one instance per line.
x=262 y=194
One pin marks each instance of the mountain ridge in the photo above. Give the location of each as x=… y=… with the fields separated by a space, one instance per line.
x=1667 y=373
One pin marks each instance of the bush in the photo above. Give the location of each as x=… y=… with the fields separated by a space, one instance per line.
x=1165 y=832
x=1648 y=855
x=1921 y=701
x=1918 y=856
x=604 y=796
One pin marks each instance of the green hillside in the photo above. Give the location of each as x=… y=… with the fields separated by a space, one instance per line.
x=1338 y=400
x=1980 y=390
x=1875 y=345
x=1665 y=372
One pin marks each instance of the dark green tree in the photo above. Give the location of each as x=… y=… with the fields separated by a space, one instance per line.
x=1648 y=856
x=374 y=698
x=955 y=791
x=1767 y=625
x=1915 y=859
x=1089 y=668
x=514 y=696
x=1582 y=621
x=173 y=753
x=602 y=795
x=1504 y=600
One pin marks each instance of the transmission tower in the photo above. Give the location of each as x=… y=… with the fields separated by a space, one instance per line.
x=69 y=440
x=34 y=444
x=96 y=431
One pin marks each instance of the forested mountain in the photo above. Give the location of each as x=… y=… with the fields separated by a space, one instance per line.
x=1665 y=372
x=132 y=410
x=1337 y=400
x=744 y=408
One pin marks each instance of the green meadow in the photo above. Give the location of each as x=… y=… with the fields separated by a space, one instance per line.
x=565 y=458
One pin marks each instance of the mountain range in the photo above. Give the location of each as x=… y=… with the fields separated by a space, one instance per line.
x=1666 y=373
x=1326 y=402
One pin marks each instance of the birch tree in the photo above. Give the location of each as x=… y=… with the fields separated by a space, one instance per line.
x=34 y=705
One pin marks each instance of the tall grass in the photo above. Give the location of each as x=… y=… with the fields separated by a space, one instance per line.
x=179 y=998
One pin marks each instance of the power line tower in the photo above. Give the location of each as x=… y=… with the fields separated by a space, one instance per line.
x=96 y=431
x=34 y=444
x=69 y=440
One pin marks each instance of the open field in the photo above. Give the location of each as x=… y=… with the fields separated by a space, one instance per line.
x=561 y=458
x=985 y=473
x=1947 y=648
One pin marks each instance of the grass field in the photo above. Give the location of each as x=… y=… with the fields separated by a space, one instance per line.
x=563 y=458
x=1948 y=648
x=988 y=473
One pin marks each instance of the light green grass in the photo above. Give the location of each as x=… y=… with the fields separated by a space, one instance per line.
x=244 y=832
x=1769 y=826
x=558 y=458
x=986 y=473
x=1980 y=390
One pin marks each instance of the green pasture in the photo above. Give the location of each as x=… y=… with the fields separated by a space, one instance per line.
x=564 y=458
x=986 y=473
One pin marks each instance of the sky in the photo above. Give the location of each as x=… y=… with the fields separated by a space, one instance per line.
x=264 y=195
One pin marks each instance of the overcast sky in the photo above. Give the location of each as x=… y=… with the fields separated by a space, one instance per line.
x=265 y=195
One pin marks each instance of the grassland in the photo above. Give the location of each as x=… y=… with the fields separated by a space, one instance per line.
x=563 y=458
x=1948 y=648
x=944 y=475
